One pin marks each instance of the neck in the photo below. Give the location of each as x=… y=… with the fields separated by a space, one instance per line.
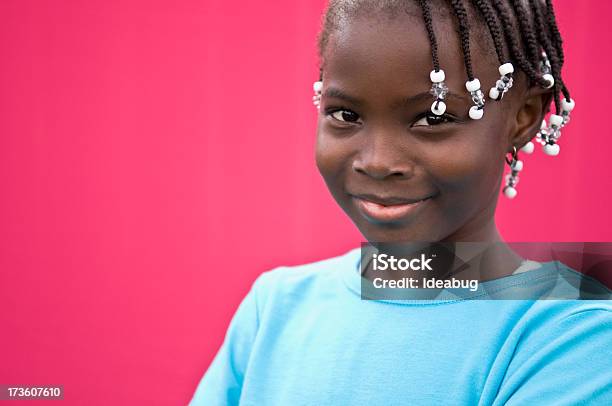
x=479 y=245
x=496 y=261
x=481 y=229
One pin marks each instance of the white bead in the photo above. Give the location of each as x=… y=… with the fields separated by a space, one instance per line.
x=510 y=192
x=441 y=108
x=506 y=69
x=550 y=79
x=518 y=166
x=528 y=148
x=476 y=113
x=317 y=86
x=543 y=125
x=551 y=150
x=472 y=85
x=437 y=77
x=568 y=105
x=494 y=93
x=556 y=120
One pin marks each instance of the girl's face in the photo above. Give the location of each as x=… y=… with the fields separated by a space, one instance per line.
x=378 y=144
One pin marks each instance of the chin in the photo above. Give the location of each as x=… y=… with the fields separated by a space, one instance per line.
x=392 y=233
x=387 y=232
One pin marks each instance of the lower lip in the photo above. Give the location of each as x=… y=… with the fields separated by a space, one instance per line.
x=382 y=213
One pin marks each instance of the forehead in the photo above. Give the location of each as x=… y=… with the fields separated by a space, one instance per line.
x=341 y=12
x=395 y=53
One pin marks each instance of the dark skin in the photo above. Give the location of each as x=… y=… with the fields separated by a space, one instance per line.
x=376 y=136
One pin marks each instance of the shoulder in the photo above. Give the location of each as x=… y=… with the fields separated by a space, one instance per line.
x=560 y=300
x=555 y=280
x=571 y=284
x=296 y=276
x=562 y=354
x=297 y=281
x=549 y=319
x=569 y=295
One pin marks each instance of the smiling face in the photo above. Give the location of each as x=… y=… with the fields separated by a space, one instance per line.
x=400 y=173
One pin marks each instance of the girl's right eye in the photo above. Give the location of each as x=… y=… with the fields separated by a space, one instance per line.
x=344 y=116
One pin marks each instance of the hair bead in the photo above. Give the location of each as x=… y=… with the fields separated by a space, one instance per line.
x=437 y=76
x=438 y=107
x=439 y=90
x=506 y=69
x=528 y=147
x=512 y=178
x=551 y=149
x=477 y=111
x=317 y=87
x=504 y=83
x=566 y=108
x=568 y=105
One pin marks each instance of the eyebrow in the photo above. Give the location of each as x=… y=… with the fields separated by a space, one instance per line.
x=336 y=93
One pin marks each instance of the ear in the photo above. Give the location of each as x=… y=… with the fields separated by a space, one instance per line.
x=536 y=104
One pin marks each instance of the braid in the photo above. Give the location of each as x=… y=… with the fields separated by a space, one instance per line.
x=550 y=50
x=464 y=32
x=509 y=29
x=520 y=30
x=492 y=22
x=558 y=42
x=555 y=65
x=430 y=33
x=542 y=30
x=526 y=28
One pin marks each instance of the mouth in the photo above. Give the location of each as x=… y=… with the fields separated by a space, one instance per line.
x=387 y=210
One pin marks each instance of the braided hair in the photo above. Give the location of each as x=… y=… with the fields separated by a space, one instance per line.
x=430 y=33
x=521 y=30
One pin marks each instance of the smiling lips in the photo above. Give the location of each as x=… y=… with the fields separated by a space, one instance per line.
x=387 y=210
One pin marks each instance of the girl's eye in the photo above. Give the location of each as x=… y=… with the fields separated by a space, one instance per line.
x=346 y=116
x=430 y=119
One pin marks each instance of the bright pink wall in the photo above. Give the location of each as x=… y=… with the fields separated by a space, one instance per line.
x=156 y=156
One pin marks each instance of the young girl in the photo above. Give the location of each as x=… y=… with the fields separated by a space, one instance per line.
x=421 y=104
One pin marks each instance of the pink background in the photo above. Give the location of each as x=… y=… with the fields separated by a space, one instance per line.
x=156 y=156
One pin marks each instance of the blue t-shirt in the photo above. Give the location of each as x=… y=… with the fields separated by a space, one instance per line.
x=304 y=336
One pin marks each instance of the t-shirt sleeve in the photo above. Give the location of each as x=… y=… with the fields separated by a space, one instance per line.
x=222 y=382
x=568 y=363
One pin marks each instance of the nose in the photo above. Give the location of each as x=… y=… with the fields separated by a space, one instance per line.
x=381 y=158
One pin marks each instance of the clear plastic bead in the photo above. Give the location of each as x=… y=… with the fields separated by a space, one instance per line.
x=478 y=98
x=512 y=180
x=545 y=67
x=439 y=90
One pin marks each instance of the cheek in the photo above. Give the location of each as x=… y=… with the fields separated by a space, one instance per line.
x=330 y=154
x=467 y=166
